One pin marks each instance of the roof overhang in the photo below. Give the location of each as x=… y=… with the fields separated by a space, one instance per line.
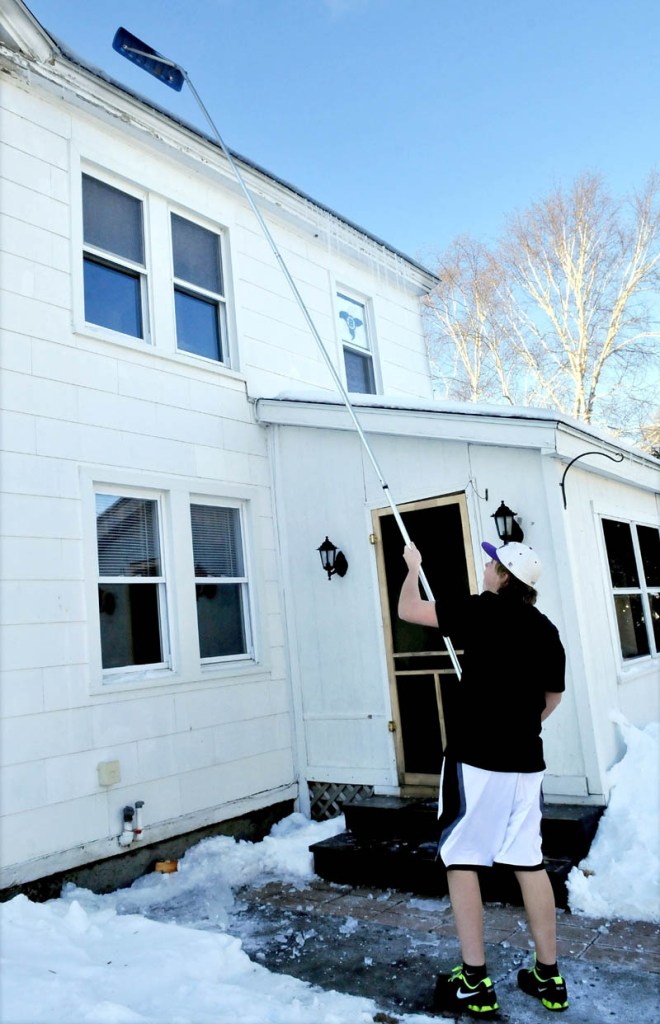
x=546 y=431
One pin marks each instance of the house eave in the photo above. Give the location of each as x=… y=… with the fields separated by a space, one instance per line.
x=60 y=66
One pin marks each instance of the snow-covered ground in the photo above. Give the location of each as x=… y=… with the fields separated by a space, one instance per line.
x=161 y=951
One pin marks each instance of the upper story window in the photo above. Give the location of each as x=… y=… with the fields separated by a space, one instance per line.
x=633 y=554
x=198 y=290
x=356 y=345
x=113 y=258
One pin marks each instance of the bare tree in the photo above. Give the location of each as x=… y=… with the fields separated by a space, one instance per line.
x=470 y=355
x=561 y=312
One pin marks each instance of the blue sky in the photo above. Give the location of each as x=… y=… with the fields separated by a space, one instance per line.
x=417 y=119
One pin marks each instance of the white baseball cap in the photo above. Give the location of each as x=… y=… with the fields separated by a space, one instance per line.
x=518 y=559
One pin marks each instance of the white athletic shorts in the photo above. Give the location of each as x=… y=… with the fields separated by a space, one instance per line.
x=490 y=817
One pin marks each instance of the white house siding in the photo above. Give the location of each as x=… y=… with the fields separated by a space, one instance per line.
x=339 y=666
x=83 y=407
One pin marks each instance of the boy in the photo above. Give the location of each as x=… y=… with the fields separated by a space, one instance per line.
x=490 y=790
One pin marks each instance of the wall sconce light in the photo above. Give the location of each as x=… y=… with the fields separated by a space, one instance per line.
x=333 y=561
x=505 y=524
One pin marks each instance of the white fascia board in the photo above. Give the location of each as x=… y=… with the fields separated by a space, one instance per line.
x=21 y=33
x=552 y=433
x=440 y=423
x=93 y=91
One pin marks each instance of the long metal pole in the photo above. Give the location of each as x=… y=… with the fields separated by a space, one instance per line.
x=312 y=326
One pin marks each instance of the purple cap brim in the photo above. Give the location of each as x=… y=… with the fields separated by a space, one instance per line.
x=490 y=550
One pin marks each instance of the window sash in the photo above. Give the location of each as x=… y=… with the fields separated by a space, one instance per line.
x=631 y=557
x=221 y=582
x=359 y=368
x=114 y=270
x=132 y=585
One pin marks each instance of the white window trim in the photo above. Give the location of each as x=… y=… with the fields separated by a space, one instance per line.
x=157 y=283
x=628 y=667
x=143 y=270
x=248 y=611
x=221 y=300
x=186 y=668
x=370 y=331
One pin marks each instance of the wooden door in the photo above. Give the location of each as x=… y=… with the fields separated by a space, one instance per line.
x=422 y=678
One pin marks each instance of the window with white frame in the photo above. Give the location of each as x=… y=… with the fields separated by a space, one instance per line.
x=633 y=554
x=221 y=584
x=198 y=290
x=356 y=345
x=132 y=583
x=114 y=269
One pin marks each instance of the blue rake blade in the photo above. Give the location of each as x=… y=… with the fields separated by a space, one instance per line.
x=148 y=59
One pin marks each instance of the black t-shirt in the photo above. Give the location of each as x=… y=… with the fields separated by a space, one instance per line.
x=512 y=657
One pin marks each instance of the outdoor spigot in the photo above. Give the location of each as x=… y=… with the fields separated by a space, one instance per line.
x=127 y=835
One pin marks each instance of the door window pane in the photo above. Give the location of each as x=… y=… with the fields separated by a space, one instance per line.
x=359 y=372
x=196 y=255
x=113 y=298
x=197 y=326
x=420 y=724
x=620 y=553
x=112 y=220
x=632 y=625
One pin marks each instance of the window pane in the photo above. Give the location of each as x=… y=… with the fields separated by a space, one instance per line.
x=112 y=298
x=196 y=255
x=197 y=325
x=112 y=220
x=649 y=543
x=620 y=553
x=359 y=373
x=352 y=322
x=654 y=600
x=420 y=724
x=217 y=548
x=127 y=536
x=632 y=627
x=220 y=620
x=130 y=624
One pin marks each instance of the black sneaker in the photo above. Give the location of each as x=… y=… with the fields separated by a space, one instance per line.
x=551 y=991
x=454 y=993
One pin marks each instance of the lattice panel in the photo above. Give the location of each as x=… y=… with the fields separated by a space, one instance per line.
x=327 y=798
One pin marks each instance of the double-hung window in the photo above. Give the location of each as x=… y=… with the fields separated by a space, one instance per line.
x=113 y=258
x=354 y=338
x=198 y=290
x=633 y=554
x=221 y=585
x=132 y=584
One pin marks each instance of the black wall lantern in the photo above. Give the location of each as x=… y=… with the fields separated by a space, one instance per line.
x=507 y=527
x=333 y=561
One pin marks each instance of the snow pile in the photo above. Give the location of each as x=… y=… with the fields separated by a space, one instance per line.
x=201 y=892
x=620 y=877
x=103 y=959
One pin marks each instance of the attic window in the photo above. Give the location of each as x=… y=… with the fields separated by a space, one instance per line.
x=354 y=333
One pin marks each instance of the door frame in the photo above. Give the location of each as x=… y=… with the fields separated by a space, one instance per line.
x=409 y=782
